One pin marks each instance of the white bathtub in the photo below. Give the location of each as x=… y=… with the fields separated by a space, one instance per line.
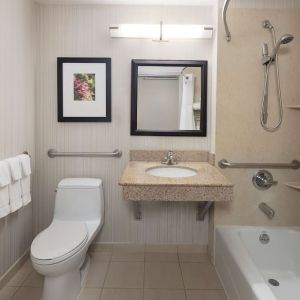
x=245 y=265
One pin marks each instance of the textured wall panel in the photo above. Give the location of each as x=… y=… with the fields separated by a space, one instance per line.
x=83 y=31
x=16 y=113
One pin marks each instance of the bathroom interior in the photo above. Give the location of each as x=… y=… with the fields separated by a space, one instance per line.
x=149 y=150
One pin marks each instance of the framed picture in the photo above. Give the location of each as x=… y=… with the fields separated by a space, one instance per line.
x=84 y=89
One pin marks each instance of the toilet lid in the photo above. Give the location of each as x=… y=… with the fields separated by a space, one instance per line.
x=59 y=239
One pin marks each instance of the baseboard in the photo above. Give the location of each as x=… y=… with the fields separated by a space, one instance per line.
x=13 y=269
x=107 y=246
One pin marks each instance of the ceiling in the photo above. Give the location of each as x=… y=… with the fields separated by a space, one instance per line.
x=132 y=2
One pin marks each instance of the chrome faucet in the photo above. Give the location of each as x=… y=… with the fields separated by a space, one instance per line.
x=169 y=159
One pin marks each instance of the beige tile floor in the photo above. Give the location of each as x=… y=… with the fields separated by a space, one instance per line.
x=133 y=272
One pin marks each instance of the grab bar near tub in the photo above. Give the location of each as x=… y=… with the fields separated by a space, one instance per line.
x=295 y=164
x=224 y=16
x=53 y=153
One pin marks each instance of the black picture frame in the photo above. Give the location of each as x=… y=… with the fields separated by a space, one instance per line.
x=60 y=86
x=135 y=64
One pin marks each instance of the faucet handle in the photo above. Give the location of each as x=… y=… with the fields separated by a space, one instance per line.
x=263 y=180
x=170 y=153
x=169 y=158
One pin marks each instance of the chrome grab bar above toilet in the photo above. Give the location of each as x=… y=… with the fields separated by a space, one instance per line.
x=53 y=153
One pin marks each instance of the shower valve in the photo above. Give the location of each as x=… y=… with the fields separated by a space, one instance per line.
x=263 y=180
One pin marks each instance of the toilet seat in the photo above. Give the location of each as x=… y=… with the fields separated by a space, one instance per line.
x=59 y=241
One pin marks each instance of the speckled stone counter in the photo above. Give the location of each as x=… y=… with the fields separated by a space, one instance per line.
x=208 y=185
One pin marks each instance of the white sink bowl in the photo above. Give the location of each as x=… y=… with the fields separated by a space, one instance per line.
x=171 y=172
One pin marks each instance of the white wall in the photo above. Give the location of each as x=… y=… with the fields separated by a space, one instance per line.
x=83 y=31
x=16 y=113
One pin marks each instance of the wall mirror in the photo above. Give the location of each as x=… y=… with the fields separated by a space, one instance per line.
x=169 y=98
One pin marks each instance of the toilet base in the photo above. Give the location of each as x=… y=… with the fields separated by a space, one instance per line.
x=84 y=270
x=66 y=286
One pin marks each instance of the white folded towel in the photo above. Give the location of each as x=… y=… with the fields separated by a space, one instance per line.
x=5 y=180
x=25 y=181
x=14 y=189
x=25 y=189
x=15 y=168
x=15 y=196
x=196 y=106
x=5 y=177
x=4 y=202
x=25 y=164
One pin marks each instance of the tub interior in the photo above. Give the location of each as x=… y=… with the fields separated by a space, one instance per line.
x=278 y=260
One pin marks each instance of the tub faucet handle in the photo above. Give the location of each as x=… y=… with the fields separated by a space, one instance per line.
x=263 y=180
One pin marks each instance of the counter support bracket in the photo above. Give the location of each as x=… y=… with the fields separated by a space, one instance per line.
x=202 y=209
x=137 y=210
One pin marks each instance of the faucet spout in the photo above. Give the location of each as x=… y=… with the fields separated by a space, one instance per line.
x=267 y=210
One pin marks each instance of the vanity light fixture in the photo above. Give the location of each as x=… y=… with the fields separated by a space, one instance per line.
x=161 y=32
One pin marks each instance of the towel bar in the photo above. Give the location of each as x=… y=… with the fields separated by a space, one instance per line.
x=26 y=152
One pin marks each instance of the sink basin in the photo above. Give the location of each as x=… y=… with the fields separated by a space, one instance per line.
x=171 y=172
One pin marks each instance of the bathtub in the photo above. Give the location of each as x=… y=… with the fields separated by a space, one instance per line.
x=245 y=264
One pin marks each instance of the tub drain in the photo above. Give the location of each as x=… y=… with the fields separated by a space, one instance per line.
x=274 y=282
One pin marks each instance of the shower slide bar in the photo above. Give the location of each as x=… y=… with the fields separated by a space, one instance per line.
x=224 y=16
x=53 y=153
x=295 y=164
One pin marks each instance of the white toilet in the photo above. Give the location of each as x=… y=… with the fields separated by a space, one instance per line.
x=59 y=252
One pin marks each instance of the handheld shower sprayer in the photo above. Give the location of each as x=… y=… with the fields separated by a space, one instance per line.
x=267 y=61
x=285 y=39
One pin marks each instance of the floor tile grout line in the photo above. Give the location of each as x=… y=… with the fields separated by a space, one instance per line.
x=144 y=277
x=15 y=292
x=181 y=272
x=107 y=270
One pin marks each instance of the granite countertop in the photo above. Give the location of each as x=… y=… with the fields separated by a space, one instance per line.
x=207 y=175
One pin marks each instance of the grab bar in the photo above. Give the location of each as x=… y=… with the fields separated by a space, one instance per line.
x=224 y=16
x=295 y=164
x=53 y=153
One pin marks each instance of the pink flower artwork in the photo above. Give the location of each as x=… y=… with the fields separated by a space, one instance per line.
x=84 y=87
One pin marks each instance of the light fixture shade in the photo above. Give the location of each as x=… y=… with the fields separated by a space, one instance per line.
x=176 y=31
x=147 y=31
x=161 y=31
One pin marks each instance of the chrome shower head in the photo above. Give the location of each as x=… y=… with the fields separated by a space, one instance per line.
x=285 y=39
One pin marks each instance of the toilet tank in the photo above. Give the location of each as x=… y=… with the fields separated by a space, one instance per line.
x=79 y=199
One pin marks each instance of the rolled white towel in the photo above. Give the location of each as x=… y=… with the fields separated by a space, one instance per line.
x=14 y=189
x=5 y=180
x=25 y=164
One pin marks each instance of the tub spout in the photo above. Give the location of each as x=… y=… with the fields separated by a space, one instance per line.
x=267 y=210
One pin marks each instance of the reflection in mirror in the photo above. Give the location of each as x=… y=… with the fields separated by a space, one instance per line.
x=169 y=98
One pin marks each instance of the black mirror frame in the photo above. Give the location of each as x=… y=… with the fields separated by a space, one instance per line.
x=135 y=63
